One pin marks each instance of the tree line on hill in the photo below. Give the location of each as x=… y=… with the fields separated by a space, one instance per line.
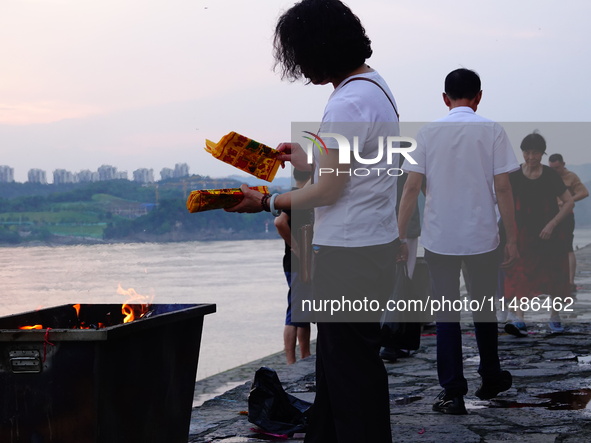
x=93 y=212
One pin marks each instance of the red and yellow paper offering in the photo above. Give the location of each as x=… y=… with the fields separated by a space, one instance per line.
x=208 y=199
x=246 y=154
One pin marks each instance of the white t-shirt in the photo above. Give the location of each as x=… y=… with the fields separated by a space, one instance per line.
x=460 y=155
x=365 y=214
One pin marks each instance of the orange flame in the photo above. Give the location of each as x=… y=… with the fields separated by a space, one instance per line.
x=128 y=313
x=136 y=306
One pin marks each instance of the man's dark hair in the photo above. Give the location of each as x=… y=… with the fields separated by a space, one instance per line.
x=533 y=142
x=462 y=83
x=556 y=158
x=320 y=40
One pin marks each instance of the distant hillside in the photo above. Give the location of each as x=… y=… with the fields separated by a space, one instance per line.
x=125 y=211
x=121 y=211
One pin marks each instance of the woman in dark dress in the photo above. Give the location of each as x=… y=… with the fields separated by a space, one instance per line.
x=542 y=239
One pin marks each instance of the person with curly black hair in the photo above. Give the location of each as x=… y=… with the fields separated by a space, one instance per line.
x=355 y=231
x=333 y=46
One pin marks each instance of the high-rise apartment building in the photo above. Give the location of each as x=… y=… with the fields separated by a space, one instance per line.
x=143 y=175
x=87 y=176
x=181 y=170
x=37 y=176
x=61 y=176
x=166 y=173
x=107 y=172
x=6 y=174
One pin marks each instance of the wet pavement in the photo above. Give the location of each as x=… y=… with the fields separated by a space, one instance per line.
x=550 y=400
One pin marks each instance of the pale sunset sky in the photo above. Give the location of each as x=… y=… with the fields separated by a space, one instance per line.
x=142 y=83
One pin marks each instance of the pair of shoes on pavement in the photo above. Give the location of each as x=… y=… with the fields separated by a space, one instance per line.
x=516 y=328
x=454 y=404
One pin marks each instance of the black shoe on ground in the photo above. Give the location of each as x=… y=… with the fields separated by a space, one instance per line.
x=516 y=328
x=401 y=353
x=389 y=354
x=448 y=404
x=490 y=389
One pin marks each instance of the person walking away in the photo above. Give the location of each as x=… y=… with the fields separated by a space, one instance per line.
x=462 y=157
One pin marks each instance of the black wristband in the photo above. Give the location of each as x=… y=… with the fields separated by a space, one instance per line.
x=265 y=202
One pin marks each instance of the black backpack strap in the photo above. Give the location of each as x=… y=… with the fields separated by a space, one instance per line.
x=379 y=86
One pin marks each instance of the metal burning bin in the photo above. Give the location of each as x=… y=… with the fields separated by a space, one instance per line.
x=126 y=383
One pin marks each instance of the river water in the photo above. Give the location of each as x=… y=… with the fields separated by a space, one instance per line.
x=243 y=278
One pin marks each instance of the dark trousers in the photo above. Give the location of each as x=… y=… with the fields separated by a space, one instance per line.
x=352 y=399
x=481 y=277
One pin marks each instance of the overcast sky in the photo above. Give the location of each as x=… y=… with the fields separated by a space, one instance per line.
x=142 y=83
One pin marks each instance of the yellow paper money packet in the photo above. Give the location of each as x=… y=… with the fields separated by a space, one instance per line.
x=246 y=154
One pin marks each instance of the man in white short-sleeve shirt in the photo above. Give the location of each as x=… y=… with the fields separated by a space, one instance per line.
x=465 y=160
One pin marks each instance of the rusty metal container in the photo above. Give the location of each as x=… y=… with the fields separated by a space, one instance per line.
x=126 y=383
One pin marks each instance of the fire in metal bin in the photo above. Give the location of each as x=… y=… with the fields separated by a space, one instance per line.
x=80 y=373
